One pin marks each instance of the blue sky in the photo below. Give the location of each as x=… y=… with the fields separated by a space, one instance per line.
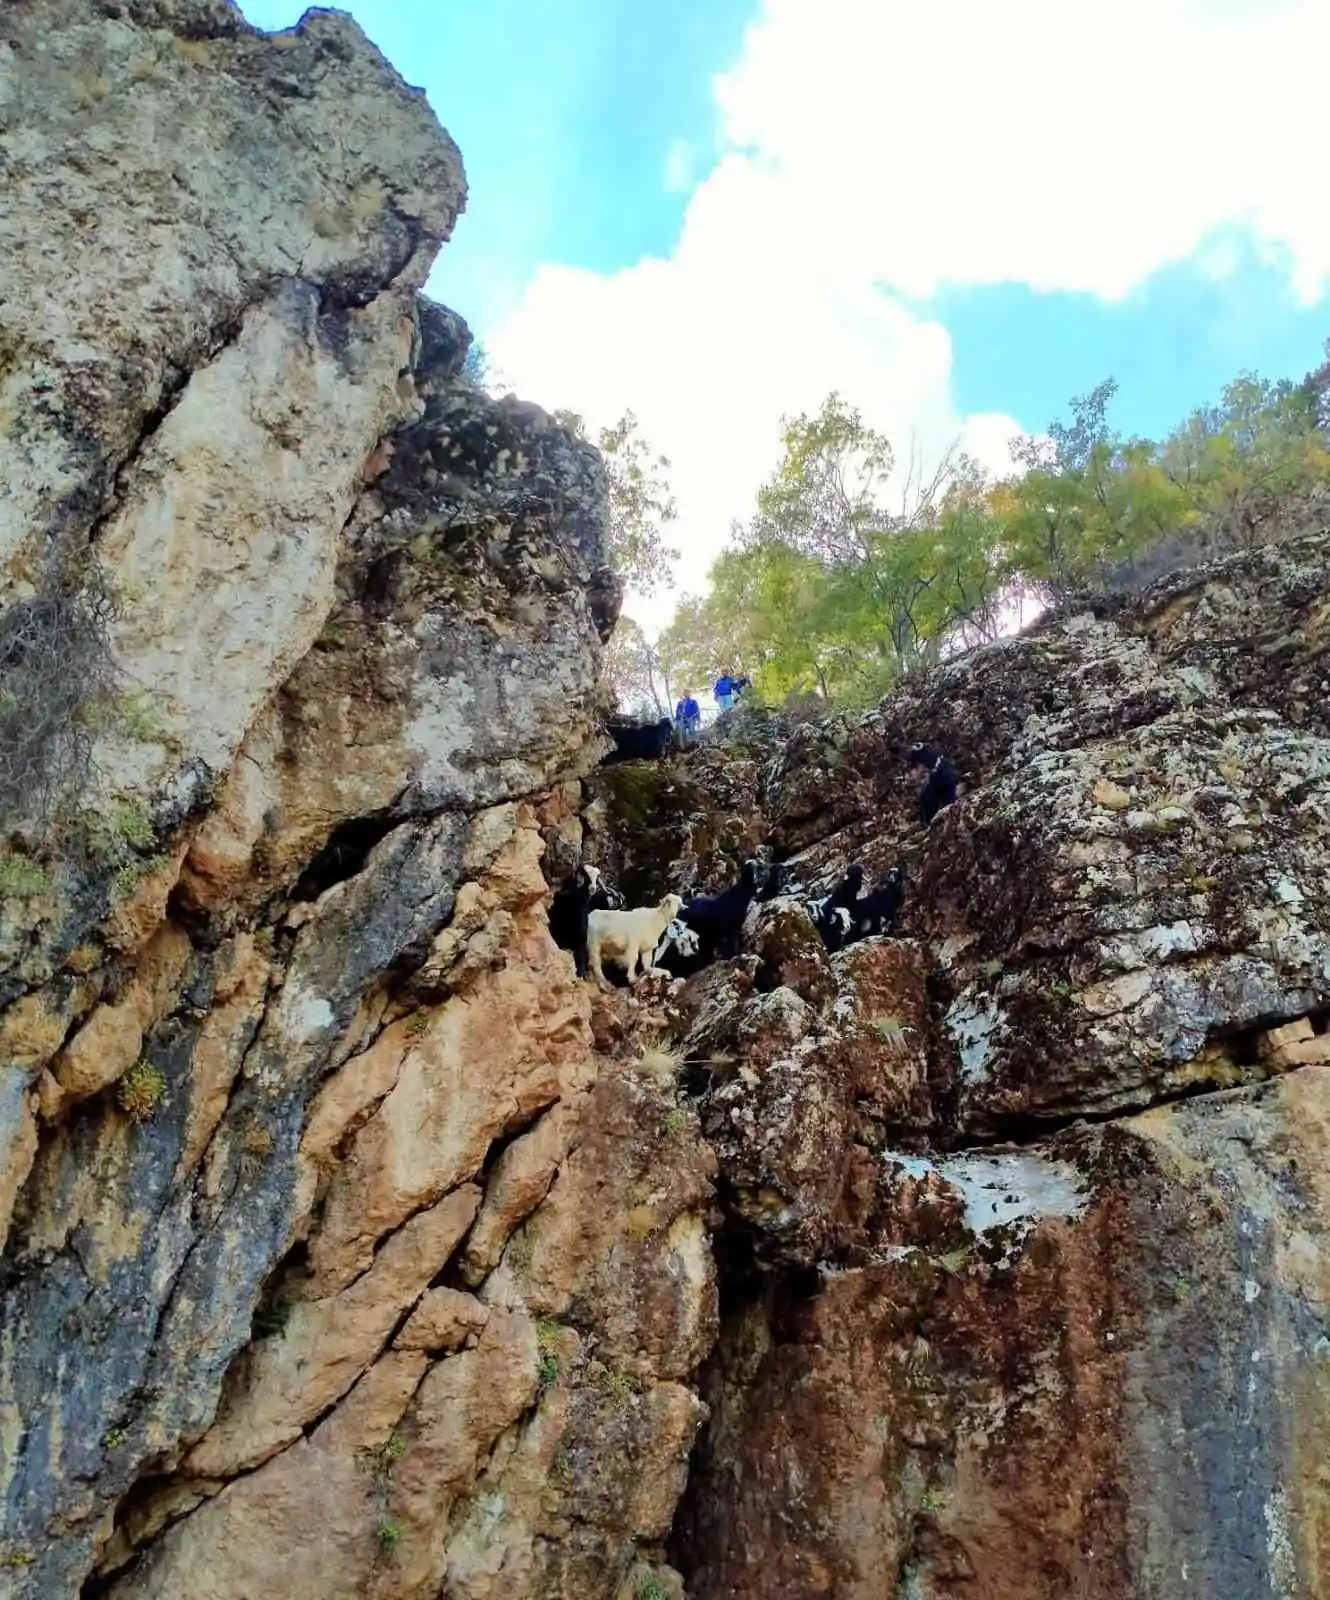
x=565 y=111
x=713 y=211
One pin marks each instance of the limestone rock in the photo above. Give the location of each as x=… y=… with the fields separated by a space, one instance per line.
x=325 y=1345
x=1108 y=1328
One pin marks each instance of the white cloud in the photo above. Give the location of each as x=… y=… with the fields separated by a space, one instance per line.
x=881 y=148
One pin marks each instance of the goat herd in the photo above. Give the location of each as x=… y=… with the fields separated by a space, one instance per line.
x=588 y=917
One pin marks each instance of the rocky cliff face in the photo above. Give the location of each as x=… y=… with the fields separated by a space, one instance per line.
x=352 y=1248
x=288 y=1055
x=1024 y=1269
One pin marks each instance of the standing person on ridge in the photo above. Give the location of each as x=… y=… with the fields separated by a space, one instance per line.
x=688 y=720
x=724 y=691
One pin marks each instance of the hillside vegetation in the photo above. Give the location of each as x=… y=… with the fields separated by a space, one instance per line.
x=859 y=567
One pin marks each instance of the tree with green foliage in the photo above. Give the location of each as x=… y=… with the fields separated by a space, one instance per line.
x=881 y=585
x=641 y=503
x=1254 y=462
x=633 y=670
x=855 y=570
x=476 y=366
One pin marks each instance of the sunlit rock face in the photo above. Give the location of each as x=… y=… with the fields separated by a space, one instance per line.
x=1026 y=1273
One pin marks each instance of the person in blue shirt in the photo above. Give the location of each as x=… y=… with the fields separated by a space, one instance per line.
x=688 y=720
x=724 y=691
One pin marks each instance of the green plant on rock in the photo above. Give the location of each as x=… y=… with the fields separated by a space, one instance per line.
x=130 y=874
x=138 y=717
x=651 y=1588
x=129 y=822
x=933 y=1500
x=272 y=1318
x=21 y=878
x=381 y=1461
x=110 y=835
x=618 y=1385
x=547 y=1336
x=140 y=1091
x=954 y=1260
x=388 y=1535
x=675 y=1120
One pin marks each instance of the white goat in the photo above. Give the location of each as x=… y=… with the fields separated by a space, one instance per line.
x=627 y=937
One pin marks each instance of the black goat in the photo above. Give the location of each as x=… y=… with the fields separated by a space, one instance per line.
x=718 y=919
x=573 y=902
x=777 y=882
x=641 y=742
x=834 y=913
x=836 y=926
x=939 y=788
x=878 y=910
x=679 y=951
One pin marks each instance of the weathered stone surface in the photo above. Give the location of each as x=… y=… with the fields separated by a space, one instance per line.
x=459 y=665
x=525 y=1022
x=202 y=339
x=620 y=1247
x=1110 y=1328
x=307 y=1522
x=166 y=166
x=325 y=1345
x=109 y=1042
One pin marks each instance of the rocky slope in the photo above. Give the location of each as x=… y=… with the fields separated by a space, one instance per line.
x=1024 y=1270
x=352 y=1248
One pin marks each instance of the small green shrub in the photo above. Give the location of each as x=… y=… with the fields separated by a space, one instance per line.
x=388 y=1535
x=128 y=821
x=21 y=878
x=109 y=836
x=618 y=1385
x=651 y=1588
x=675 y=1120
x=954 y=1260
x=138 y=717
x=547 y=1332
x=129 y=874
x=271 y=1319
x=933 y=1500
x=140 y=1091
x=114 y=1438
x=385 y=1458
